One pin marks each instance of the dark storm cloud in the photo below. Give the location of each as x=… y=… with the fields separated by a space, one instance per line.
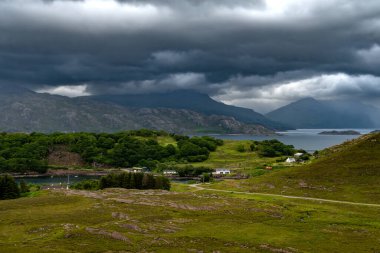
x=242 y=52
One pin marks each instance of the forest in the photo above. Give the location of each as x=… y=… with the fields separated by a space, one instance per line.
x=22 y=152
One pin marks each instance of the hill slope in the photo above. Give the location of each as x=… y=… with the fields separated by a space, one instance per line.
x=350 y=171
x=310 y=113
x=190 y=100
x=25 y=111
x=121 y=220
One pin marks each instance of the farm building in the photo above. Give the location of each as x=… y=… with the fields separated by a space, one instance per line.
x=134 y=169
x=170 y=172
x=290 y=160
x=137 y=169
x=221 y=171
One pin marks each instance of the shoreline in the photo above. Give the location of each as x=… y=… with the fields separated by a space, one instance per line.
x=61 y=173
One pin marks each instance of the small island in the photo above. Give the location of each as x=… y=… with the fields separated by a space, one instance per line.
x=345 y=132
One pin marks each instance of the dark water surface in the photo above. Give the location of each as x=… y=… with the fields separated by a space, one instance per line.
x=56 y=180
x=307 y=139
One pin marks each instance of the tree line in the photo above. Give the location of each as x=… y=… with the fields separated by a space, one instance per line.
x=126 y=180
x=272 y=148
x=21 y=153
x=9 y=189
x=187 y=170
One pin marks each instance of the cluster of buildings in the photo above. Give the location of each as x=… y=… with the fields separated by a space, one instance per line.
x=135 y=169
x=218 y=171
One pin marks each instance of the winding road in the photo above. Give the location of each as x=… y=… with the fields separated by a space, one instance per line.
x=198 y=187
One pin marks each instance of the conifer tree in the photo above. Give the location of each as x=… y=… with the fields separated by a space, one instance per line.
x=8 y=188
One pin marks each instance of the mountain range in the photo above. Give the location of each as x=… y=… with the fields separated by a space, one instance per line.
x=23 y=110
x=183 y=111
x=190 y=100
x=312 y=113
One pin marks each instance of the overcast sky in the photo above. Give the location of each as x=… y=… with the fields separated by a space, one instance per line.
x=252 y=53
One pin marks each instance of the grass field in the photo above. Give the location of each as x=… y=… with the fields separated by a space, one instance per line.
x=118 y=220
x=228 y=156
x=347 y=172
x=166 y=140
x=188 y=219
x=248 y=162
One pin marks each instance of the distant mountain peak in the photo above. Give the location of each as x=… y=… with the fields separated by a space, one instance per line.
x=190 y=100
x=311 y=113
x=13 y=89
x=23 y=110
x=306 y=100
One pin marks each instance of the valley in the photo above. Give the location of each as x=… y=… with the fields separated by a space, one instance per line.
x=278 y=210
x=194 y=126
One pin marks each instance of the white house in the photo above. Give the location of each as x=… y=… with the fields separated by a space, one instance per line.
x=221 y=171
x=298 y=155
x=290 y=160
x=134 y=169
x=137 y=169
x=170 y=172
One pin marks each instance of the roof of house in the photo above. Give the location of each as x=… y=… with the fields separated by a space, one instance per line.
x=222 y=169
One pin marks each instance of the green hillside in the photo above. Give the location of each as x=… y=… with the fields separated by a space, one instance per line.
x=189 y=219
x=25 y=153
x=350 y=171
x=120 y=220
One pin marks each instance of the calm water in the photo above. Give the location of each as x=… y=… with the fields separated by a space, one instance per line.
x=56 y=180
x=61 y=181
x=307 y=139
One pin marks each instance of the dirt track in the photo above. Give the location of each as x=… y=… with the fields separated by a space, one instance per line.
x=199 y=188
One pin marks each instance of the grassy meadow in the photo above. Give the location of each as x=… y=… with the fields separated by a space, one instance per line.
x=118 y=220
x=346 y=172
x=247 y=162
x=189 y=219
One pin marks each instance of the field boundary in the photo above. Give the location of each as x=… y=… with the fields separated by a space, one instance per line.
x=199 y=188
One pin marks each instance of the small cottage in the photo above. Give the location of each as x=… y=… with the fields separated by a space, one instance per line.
x=290 y=160
x=134 y=169
x=221 y=171
x=298 y=155
x=170 y=172
x=137 y=169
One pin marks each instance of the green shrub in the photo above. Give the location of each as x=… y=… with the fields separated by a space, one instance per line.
x=240 y=148
x=191 y=171
x=8 y=188
x=24 y=188
x=272 y=148
x=134 y=181
x=90 y=184
x=206 y=177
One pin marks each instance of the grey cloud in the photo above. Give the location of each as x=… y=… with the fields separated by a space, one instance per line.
x=281 y=89
x=221 y=47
